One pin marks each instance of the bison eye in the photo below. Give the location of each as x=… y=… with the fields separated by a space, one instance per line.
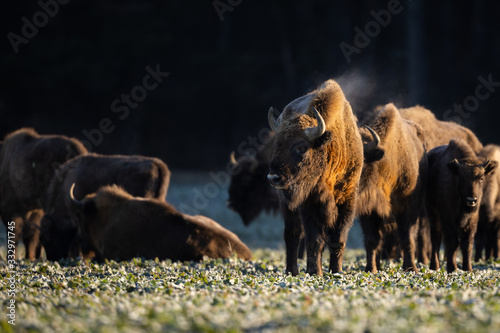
x=300 y=148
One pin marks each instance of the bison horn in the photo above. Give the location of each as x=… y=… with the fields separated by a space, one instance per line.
x=315 y=132
x=75 y=203
x=232 y=159
x=375 y=142
x=275 y=126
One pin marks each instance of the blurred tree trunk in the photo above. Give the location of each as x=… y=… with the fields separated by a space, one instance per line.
x=416 y=64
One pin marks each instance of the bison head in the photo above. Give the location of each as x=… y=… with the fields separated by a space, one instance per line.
x=300 y=152
x=470 y=178
x=249 y=191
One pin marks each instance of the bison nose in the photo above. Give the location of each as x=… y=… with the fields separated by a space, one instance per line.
x=471 y=201
x=275 y=180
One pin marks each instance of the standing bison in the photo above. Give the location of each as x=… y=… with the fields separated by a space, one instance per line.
x=120 y=226
x=250 y=192
x=141 y=176
x=392 y=185
x=454 y=194
x=488 y=229
x=316 y=165
x=27 y=163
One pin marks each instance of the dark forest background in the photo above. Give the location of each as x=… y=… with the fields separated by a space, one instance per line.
x=225 y=74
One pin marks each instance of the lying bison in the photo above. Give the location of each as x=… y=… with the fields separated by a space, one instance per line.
x=454 y=193
x=141 y=176
x=392 y=185
x=120 y=227
x=27 y=163
x=488 y=228
x=316 y=165
x=249 y=191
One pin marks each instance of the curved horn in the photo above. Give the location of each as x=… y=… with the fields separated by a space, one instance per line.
x=315 y=132
x=75 y=203
x=376 y=140
x=275 y=126
x=232 y=159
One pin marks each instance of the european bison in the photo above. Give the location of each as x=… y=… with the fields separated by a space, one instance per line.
x=392 y=185
x=28 y=161
x=454 y=192
x=436 y=133
x=141 y=176
x=250 y=192
x=120 y=226
x=316 y=165
x=488 y=228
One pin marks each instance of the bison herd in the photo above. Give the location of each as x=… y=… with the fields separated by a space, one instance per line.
x=411 y=180
x=75 y=203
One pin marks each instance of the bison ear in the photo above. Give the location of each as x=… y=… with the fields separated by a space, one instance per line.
x=453 y=165
x=373 y=156
x=489 y=166
x=324 y=139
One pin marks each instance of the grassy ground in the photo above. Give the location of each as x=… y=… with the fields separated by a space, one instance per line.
x=232 y=296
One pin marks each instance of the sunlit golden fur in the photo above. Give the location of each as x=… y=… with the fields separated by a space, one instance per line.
x=319 y=181
x=336 y=166
x=392 y=182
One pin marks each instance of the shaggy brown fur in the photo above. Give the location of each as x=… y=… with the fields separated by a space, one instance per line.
x=392 y=184
x=122 y=227
x=454 y=192
x=27 y=163
x=141 y=176
x=318 y=179
x=438 y=132
x=488 y=229
x=249 y=191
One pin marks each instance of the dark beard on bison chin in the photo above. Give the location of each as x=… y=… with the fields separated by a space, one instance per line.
x=295 y=195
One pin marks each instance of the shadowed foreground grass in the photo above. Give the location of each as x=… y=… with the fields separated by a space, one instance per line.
x=232 y=296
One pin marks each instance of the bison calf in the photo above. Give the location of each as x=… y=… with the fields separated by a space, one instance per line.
x=454 y=194
x=120 y=226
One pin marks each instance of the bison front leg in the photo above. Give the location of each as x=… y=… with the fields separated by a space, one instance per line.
x=481 y=238
x=337 y=237
x=407 y=227
x=315 y=243
x=372 y=231
x=466 y=244
x=31 y=234
x=436 y=237
x=293 y=233
x=450 y=248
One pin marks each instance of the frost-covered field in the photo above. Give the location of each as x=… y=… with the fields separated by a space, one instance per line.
x=232 y=296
